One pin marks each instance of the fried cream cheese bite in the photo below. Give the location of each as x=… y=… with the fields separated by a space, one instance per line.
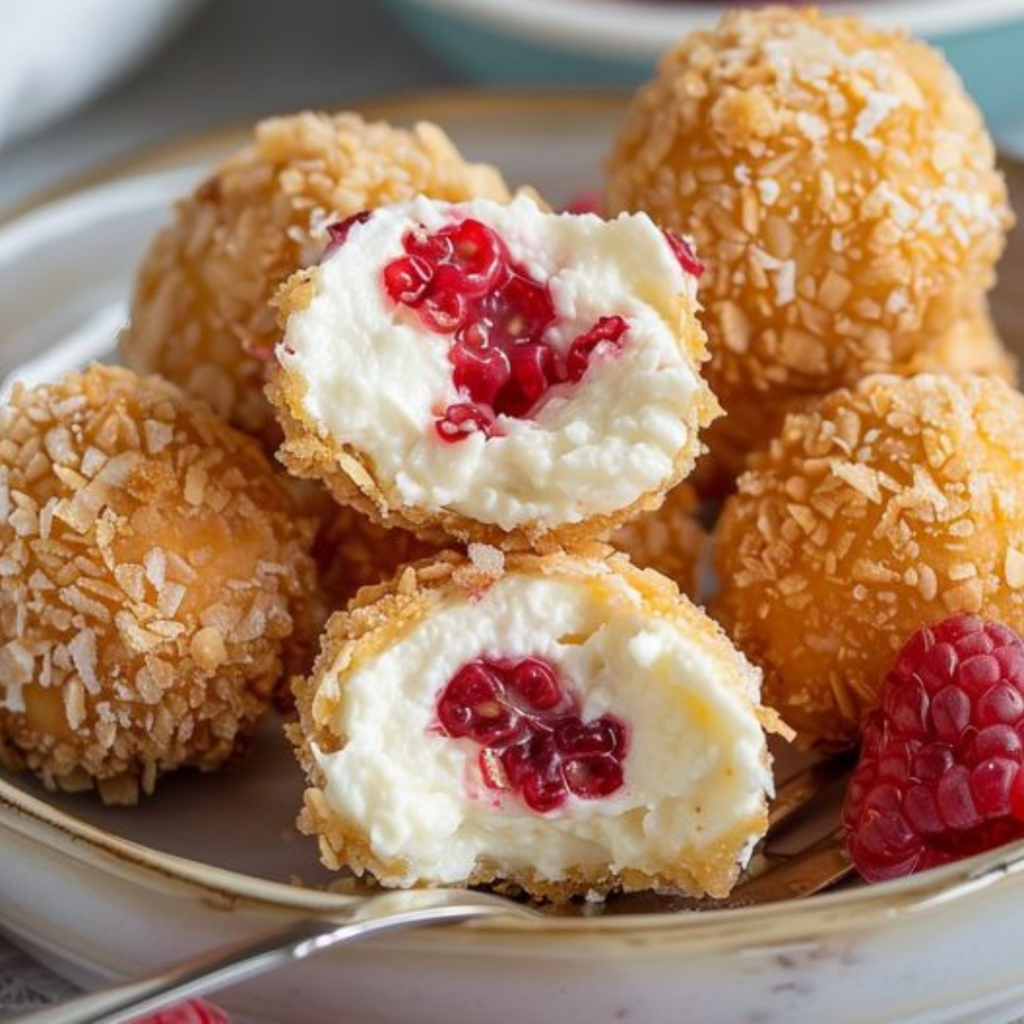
x=495 y=372
x=560 y=724
x=201 y=315
x=152 y=571
x=840 y=186
x=894 y=505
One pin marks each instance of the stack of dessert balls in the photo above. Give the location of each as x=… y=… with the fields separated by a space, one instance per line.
x=842 y=191
x=497 y=425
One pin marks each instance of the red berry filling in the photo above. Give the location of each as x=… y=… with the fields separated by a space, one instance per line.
x=940 y=776
x=682 y=252
x=587 y=201
x=463 y=282
x=337 y=233
x=534 y=741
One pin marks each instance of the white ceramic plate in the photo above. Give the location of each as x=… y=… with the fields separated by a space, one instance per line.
x=106 y=892
x=641 y=28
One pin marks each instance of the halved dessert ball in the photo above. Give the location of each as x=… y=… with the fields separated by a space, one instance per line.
x=560 y=724
x=495 y=372
x=893 y=505
x=151 y=574
x=841 y=187
x=202 y=315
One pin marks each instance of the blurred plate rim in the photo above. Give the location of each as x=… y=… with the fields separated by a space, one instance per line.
x=640 y=28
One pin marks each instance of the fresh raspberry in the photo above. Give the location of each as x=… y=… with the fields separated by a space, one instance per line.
x=939 y=773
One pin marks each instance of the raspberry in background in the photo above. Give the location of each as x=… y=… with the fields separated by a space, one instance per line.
x=939 y=776
x=194 y=1011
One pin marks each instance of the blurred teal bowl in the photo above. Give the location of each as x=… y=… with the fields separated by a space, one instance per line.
x=989 y=57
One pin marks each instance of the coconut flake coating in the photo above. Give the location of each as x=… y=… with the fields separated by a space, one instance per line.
x=201 y=313
x=841 y=189
x=393 y=796
x=971 y=345
x=894 y=505
x=152 y=571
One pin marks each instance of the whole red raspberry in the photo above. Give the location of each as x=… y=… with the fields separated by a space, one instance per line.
x=939 y=773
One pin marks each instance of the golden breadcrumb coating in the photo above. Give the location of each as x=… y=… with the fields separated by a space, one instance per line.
x=971 y=345
x=380 y=616
x=670 y=540
x=152 y=566
x=352 y=552
x=309 y=452
x=840 y=186
x=895 y=504
x=201 y=313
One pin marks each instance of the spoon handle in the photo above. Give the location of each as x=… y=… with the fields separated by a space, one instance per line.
x=235 y=963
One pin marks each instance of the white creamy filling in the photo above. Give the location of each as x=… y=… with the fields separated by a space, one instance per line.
x=695 y=769
x=377 y=379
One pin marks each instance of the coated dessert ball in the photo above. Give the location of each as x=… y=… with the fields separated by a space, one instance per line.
x=352 y=551
x=971 y=345
x=892 y=506
x=201 y=314
x=153 y=569
x=840 y=187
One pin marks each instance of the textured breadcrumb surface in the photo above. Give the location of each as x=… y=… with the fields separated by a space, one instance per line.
x=894 y=504
x=670 y=540
x=201 y=313
x=352 y=552
x=308 y=452
x=152 y=568
x=841 y=189
x=380 y=616
x=971 y=345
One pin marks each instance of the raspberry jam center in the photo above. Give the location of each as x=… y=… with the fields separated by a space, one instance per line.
x=533 y=738
x=463 y=283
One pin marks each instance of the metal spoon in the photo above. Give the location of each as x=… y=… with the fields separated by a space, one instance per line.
x=784 y=876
